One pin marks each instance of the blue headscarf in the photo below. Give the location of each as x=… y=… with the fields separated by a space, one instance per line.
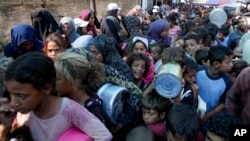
x=73 y=34
x=19 y=34
x=155 y=30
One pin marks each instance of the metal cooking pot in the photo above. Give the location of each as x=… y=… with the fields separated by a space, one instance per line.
x=114 y=99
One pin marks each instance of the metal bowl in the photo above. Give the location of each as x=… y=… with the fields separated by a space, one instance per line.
x=114 y=99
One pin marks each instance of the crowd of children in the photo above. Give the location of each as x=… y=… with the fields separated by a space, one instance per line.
x=51 y=76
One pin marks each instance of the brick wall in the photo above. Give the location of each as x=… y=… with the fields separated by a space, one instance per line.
x=18 y=11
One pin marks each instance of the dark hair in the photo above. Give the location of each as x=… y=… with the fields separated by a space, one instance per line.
x=201 y=54
x=190 y=65
x=194 y=37
x=212 y=29
x=174 y=55
x=161 y=45
x=198 y=12
x=224 y=31
x=136 y=57
x=154 y=101
x=21 y=132
x=140 y=133
x=221 y=123
x=238 y=66
x=189 y=26
x=202 y=33
x=183 y=120
x=33 y=67
x=218 y=53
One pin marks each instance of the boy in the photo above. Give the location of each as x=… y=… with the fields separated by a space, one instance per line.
x=154 y=109
x=182 y=123
x=220 y=125
x=190 y=89
x=192 y=43
x=222 y=36
x=213 y=81
x=201 y=56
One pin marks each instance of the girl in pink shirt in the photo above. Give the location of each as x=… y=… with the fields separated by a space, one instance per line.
x=30 y=80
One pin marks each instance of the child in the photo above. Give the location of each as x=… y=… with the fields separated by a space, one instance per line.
x=182 y=123
x=154 y=110
x=139 y=64
x=201 y=56
x=179 y=42
x=30 y=80
x=192 y=42
x=140 y=45
x=220 y=126
x=213 y=81
x=54 y=44
x=190 y=90
x=222 y=36
x=89 y=15
x=140 y=133
x=76 y=76
x=156 y=50
x=238 y=66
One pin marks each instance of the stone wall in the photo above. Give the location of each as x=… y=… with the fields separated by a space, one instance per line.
x=18 y=11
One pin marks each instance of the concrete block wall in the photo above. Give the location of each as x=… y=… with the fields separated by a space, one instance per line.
x=18 y=11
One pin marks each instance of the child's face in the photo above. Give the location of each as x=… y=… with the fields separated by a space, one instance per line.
x=63 y=87
x=213 y=137
x=154 y=53
x=220 y=36
x=190 y=76
x=52 y=49
x=191 y=46
x=84 y=30
x=24 y=97
x=140 y=47
x=92 y=19
x=179 y=43
x=150 y=116
x=226 y=65
x=138 y=68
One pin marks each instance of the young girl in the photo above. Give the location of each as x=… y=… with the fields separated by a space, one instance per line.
x=89 y=15
x=139 y=64
x=54 y=44
x=140 y=45
x=75 y=77
x=30 y=80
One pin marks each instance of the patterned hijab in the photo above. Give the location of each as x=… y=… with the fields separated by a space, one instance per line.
x=111 y=56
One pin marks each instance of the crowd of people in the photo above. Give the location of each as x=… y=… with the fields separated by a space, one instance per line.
x=51 y=74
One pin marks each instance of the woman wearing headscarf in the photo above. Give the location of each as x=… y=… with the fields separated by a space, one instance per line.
x=89 y=15
x=158 y=32
x=133 y=26
x=103 y=49
x=117 y=78
x=68 y=28
x=23 y=40
x=43 y=22
x=111 y=25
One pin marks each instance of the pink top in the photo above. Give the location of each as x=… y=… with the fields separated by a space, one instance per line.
x=71 y=114
x=158 y=129
x=173 y=32
x=151 y=72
